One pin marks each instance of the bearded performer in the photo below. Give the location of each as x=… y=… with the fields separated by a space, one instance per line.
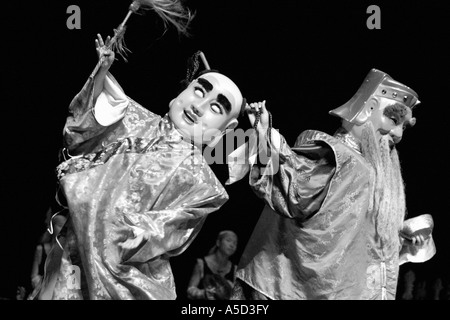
x=333 y=225
x=136 y=185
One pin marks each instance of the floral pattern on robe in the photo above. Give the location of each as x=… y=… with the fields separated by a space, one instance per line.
x=316 y=237
x=135 y=173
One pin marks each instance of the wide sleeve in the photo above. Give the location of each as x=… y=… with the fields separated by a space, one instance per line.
x=422 y=224
x=172 y=225
x=88 y=118
x=293 y=181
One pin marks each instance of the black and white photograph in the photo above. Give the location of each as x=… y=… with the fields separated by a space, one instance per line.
x=245 y=150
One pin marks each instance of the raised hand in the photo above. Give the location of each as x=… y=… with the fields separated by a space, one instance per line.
x=106 y=55
x=257 y=114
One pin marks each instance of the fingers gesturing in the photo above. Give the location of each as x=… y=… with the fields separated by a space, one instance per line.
x=103 y=51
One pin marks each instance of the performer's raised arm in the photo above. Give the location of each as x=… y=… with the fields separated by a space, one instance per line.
x=278 y=167
x=107 y=55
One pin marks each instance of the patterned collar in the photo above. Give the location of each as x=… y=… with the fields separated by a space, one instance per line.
x=348 y=139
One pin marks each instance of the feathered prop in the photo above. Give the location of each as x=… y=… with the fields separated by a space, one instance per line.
x=171 y=12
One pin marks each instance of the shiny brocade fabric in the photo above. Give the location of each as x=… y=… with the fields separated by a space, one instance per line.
x=321 y=241
x=135 y=173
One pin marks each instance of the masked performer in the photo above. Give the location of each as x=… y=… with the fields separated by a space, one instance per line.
x=333 y=225
x=136 y=185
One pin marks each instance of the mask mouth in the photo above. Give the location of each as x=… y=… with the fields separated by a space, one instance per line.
x=190 y=117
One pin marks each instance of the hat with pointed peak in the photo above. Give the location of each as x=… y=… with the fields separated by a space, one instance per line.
x=376 y=84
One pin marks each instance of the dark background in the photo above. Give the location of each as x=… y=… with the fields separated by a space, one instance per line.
x=303 y=57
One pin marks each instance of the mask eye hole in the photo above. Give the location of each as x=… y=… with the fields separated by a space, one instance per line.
x=199 y=92
x=216 y=108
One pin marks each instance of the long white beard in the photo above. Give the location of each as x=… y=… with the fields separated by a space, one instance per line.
x=387 y=194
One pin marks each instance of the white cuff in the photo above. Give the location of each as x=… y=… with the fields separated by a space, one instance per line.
x=111 y=104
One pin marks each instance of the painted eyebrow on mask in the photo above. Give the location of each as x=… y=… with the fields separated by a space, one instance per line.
x=205 y=84
x=220 y=97
x=397 y=111
x=224 y=102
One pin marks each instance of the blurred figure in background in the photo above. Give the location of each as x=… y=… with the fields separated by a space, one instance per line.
x=408 y=285
x=214 y=275
x=420 y=290
x=21 y=293
x=437 y=289
x=48 y=239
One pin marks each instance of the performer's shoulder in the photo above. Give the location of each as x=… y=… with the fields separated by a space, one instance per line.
x=314 y=137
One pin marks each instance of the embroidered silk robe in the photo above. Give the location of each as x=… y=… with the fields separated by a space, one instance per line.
x=132 y=171
x=316 y=237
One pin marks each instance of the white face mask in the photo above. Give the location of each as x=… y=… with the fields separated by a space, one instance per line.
x=208 y=106
x=392 y=118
